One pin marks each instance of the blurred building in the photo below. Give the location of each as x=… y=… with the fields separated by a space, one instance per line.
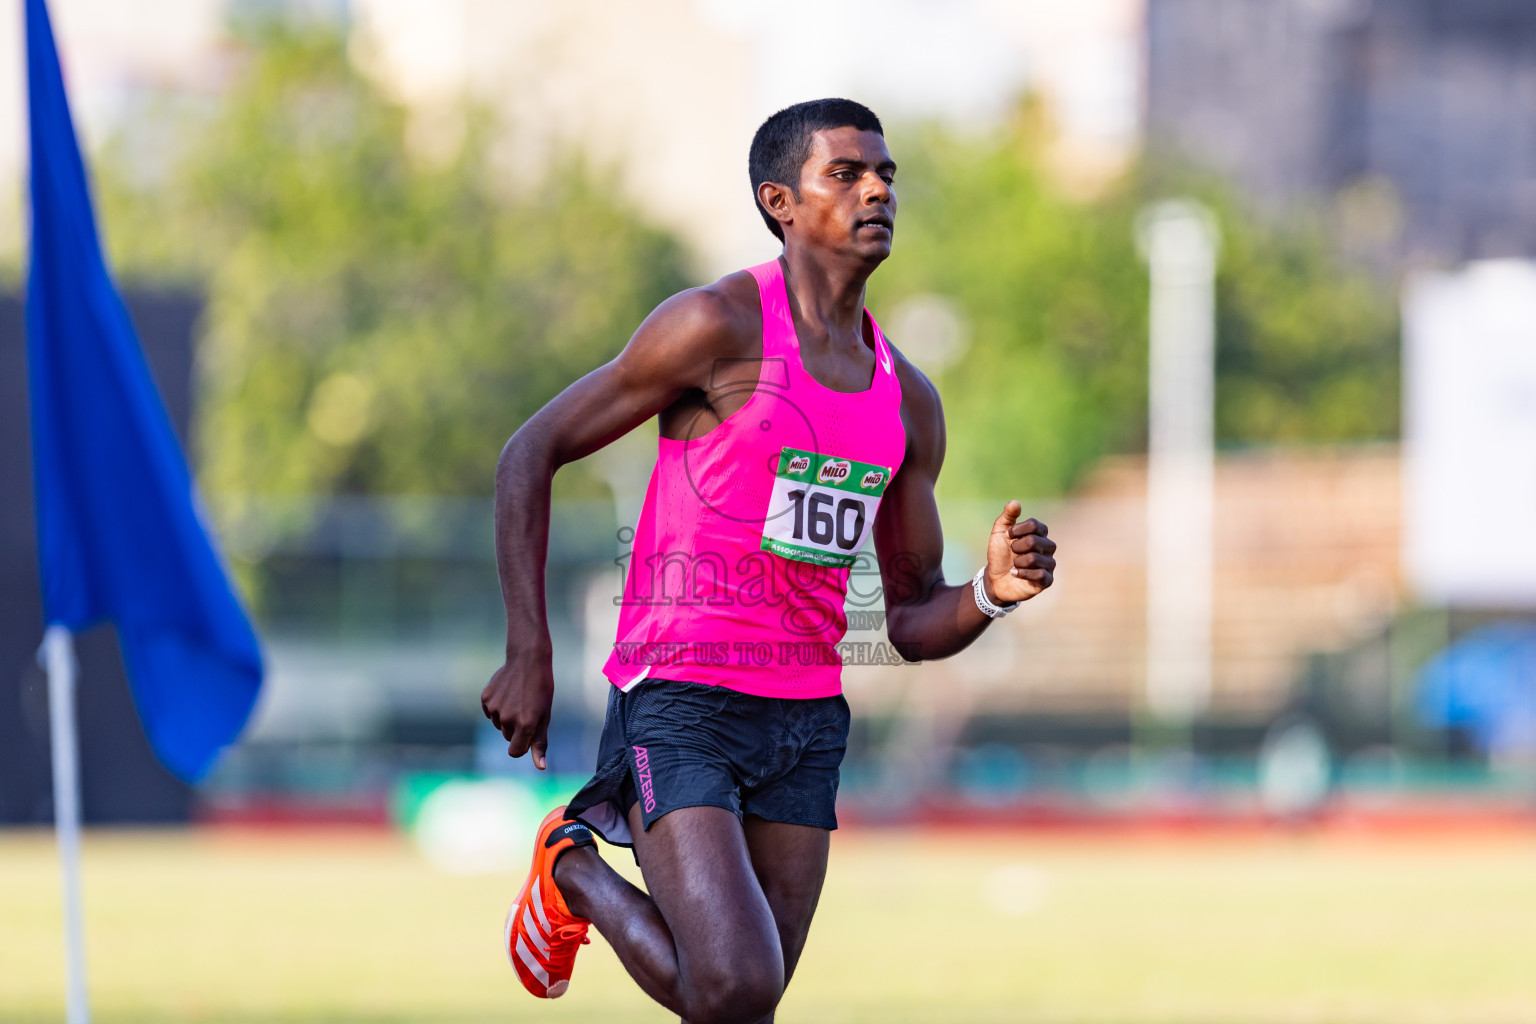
x=1422 y=113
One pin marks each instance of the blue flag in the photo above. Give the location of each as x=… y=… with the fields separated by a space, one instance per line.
x=119 y=536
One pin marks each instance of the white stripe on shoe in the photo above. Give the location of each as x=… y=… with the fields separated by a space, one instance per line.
x=531 y=930
x=532 y=963
x=537 y=902
x=509 y=927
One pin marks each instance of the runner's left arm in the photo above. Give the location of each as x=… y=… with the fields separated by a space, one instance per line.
x=925 y=617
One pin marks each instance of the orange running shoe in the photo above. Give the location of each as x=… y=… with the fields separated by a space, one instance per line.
x=541 y=934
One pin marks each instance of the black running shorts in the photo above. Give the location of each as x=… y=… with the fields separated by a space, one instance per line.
x=668 y=744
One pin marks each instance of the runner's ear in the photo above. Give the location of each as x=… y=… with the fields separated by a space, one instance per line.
x=776 y=200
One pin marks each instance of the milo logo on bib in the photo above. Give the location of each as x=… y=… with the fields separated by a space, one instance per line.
x=833 y=471
x=822 y=508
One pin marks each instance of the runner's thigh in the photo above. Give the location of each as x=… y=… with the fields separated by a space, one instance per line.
x=790 y=862
x=699 y=874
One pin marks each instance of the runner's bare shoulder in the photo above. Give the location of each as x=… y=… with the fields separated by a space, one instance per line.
x=687 y=335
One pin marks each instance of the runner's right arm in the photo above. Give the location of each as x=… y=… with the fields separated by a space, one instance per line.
x=925 y=617
x=670 y=355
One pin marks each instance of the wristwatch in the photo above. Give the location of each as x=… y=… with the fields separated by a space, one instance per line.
x=992 y=611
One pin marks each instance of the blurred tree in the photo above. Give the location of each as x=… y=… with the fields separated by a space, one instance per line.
x=1307 y=347
x=378 y=321
x=1053 y=297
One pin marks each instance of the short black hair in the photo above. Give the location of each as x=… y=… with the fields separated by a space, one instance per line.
x=783 y=143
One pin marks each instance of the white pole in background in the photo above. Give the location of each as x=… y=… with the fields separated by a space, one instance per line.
x=58 y=657
x=1178 y=238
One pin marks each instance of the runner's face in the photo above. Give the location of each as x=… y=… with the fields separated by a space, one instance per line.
x=847 y=194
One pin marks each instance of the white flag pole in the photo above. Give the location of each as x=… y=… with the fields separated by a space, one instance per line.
x=58 y=657
x=1179 y=240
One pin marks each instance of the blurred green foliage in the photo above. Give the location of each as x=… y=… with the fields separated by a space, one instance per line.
x=1053 y=296
x=1307 y=346
x=378 y=321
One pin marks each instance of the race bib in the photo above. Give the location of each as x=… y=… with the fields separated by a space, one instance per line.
x=822 y=507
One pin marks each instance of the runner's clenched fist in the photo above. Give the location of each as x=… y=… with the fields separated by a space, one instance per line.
x=1020 y=557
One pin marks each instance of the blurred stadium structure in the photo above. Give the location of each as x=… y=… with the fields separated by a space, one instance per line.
x=1415 y=110
x=382 y=615
x=381 y=635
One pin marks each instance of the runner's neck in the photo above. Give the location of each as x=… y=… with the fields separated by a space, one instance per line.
x=828 y=299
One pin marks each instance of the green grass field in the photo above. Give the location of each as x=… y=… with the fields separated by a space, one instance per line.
x=249 y=927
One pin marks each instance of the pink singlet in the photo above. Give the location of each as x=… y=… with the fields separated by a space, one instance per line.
x=740 y=562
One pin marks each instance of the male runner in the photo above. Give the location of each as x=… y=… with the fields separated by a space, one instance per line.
x=790 y=429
